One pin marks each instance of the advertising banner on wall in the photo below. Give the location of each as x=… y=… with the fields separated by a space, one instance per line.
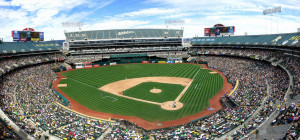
x=15 y=35
x=217 y=30
x=97 y=65
x=69 y=68
x=206 y=31
x=88 y=66
x=113 y=63
x=41 y=36
x=231 y=30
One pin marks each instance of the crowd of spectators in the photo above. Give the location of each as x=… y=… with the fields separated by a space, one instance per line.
x=288 y=60
x=6 y=131
x=278 y=86
x=30 y=102
x=84 y=58
x=177 y=54
x=293 y=132
x=245 y=52
x=28 y=99
x=290 y=115
x=6 y=64
x=292 y=63
x=83 y=128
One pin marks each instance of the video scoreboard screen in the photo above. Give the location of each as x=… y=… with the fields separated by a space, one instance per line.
x=27 y=36
x=228 y=30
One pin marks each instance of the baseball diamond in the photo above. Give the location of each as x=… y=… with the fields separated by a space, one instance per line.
x=85 y=87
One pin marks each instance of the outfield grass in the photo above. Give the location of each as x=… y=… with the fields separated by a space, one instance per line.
x=142 y=91
x=84 y=84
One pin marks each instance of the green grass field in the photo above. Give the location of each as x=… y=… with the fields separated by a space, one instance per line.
x=84 y=84
x=142 y=91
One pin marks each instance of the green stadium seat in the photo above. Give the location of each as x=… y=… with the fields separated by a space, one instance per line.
x=139 y=34
x=112 y=34
x=99 y=35
x=151 y=33
x=284 y=39
x=105 y=34
x=157 y=33
x=145 y=33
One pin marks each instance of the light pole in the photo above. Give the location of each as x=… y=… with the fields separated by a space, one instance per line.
x=271 y=11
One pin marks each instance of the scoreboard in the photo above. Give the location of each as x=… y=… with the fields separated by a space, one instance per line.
x=27 y=36
x=215 y=31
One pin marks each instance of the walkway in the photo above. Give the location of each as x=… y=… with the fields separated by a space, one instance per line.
x=105 y=133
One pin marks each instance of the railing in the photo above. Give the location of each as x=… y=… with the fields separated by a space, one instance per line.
x=234 y=89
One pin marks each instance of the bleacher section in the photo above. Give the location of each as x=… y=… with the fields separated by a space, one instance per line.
x=24 y=47
x=124 y=34
x=288 y=39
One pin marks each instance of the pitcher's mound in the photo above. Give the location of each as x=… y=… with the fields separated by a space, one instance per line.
x=155 y=90
x=168 y=105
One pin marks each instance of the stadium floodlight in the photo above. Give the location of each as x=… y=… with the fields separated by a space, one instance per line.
x=174 y=22
x=271 y=11
x=72 y=25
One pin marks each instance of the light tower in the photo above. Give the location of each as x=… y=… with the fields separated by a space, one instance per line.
x=271 y=11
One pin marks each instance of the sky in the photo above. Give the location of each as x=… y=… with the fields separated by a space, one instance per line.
x=246 y=15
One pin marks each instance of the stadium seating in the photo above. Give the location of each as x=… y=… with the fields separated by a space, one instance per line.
x=112 y=34
x=290 y=39
x=124 y=33
x=23 y=47
x=138 y=34
x=151 y=34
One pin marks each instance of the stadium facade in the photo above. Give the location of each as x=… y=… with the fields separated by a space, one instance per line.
x=123 y=41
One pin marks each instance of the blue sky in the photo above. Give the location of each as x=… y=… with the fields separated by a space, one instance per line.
x=48 y=15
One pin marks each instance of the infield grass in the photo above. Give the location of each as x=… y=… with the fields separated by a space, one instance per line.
x=142 y=91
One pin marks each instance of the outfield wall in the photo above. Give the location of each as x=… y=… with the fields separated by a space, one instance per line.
x=128 y=60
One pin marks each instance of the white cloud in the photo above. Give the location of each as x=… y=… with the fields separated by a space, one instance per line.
x=115 y=24
x=146 y=12
x=35 y=5
x=246 y=15
x=4 y=3
x=44 y=15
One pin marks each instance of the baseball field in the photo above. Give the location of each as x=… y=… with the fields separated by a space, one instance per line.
x=141 y=90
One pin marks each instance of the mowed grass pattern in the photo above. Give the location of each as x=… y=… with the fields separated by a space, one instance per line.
x=84 y=84
x=142 y=91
